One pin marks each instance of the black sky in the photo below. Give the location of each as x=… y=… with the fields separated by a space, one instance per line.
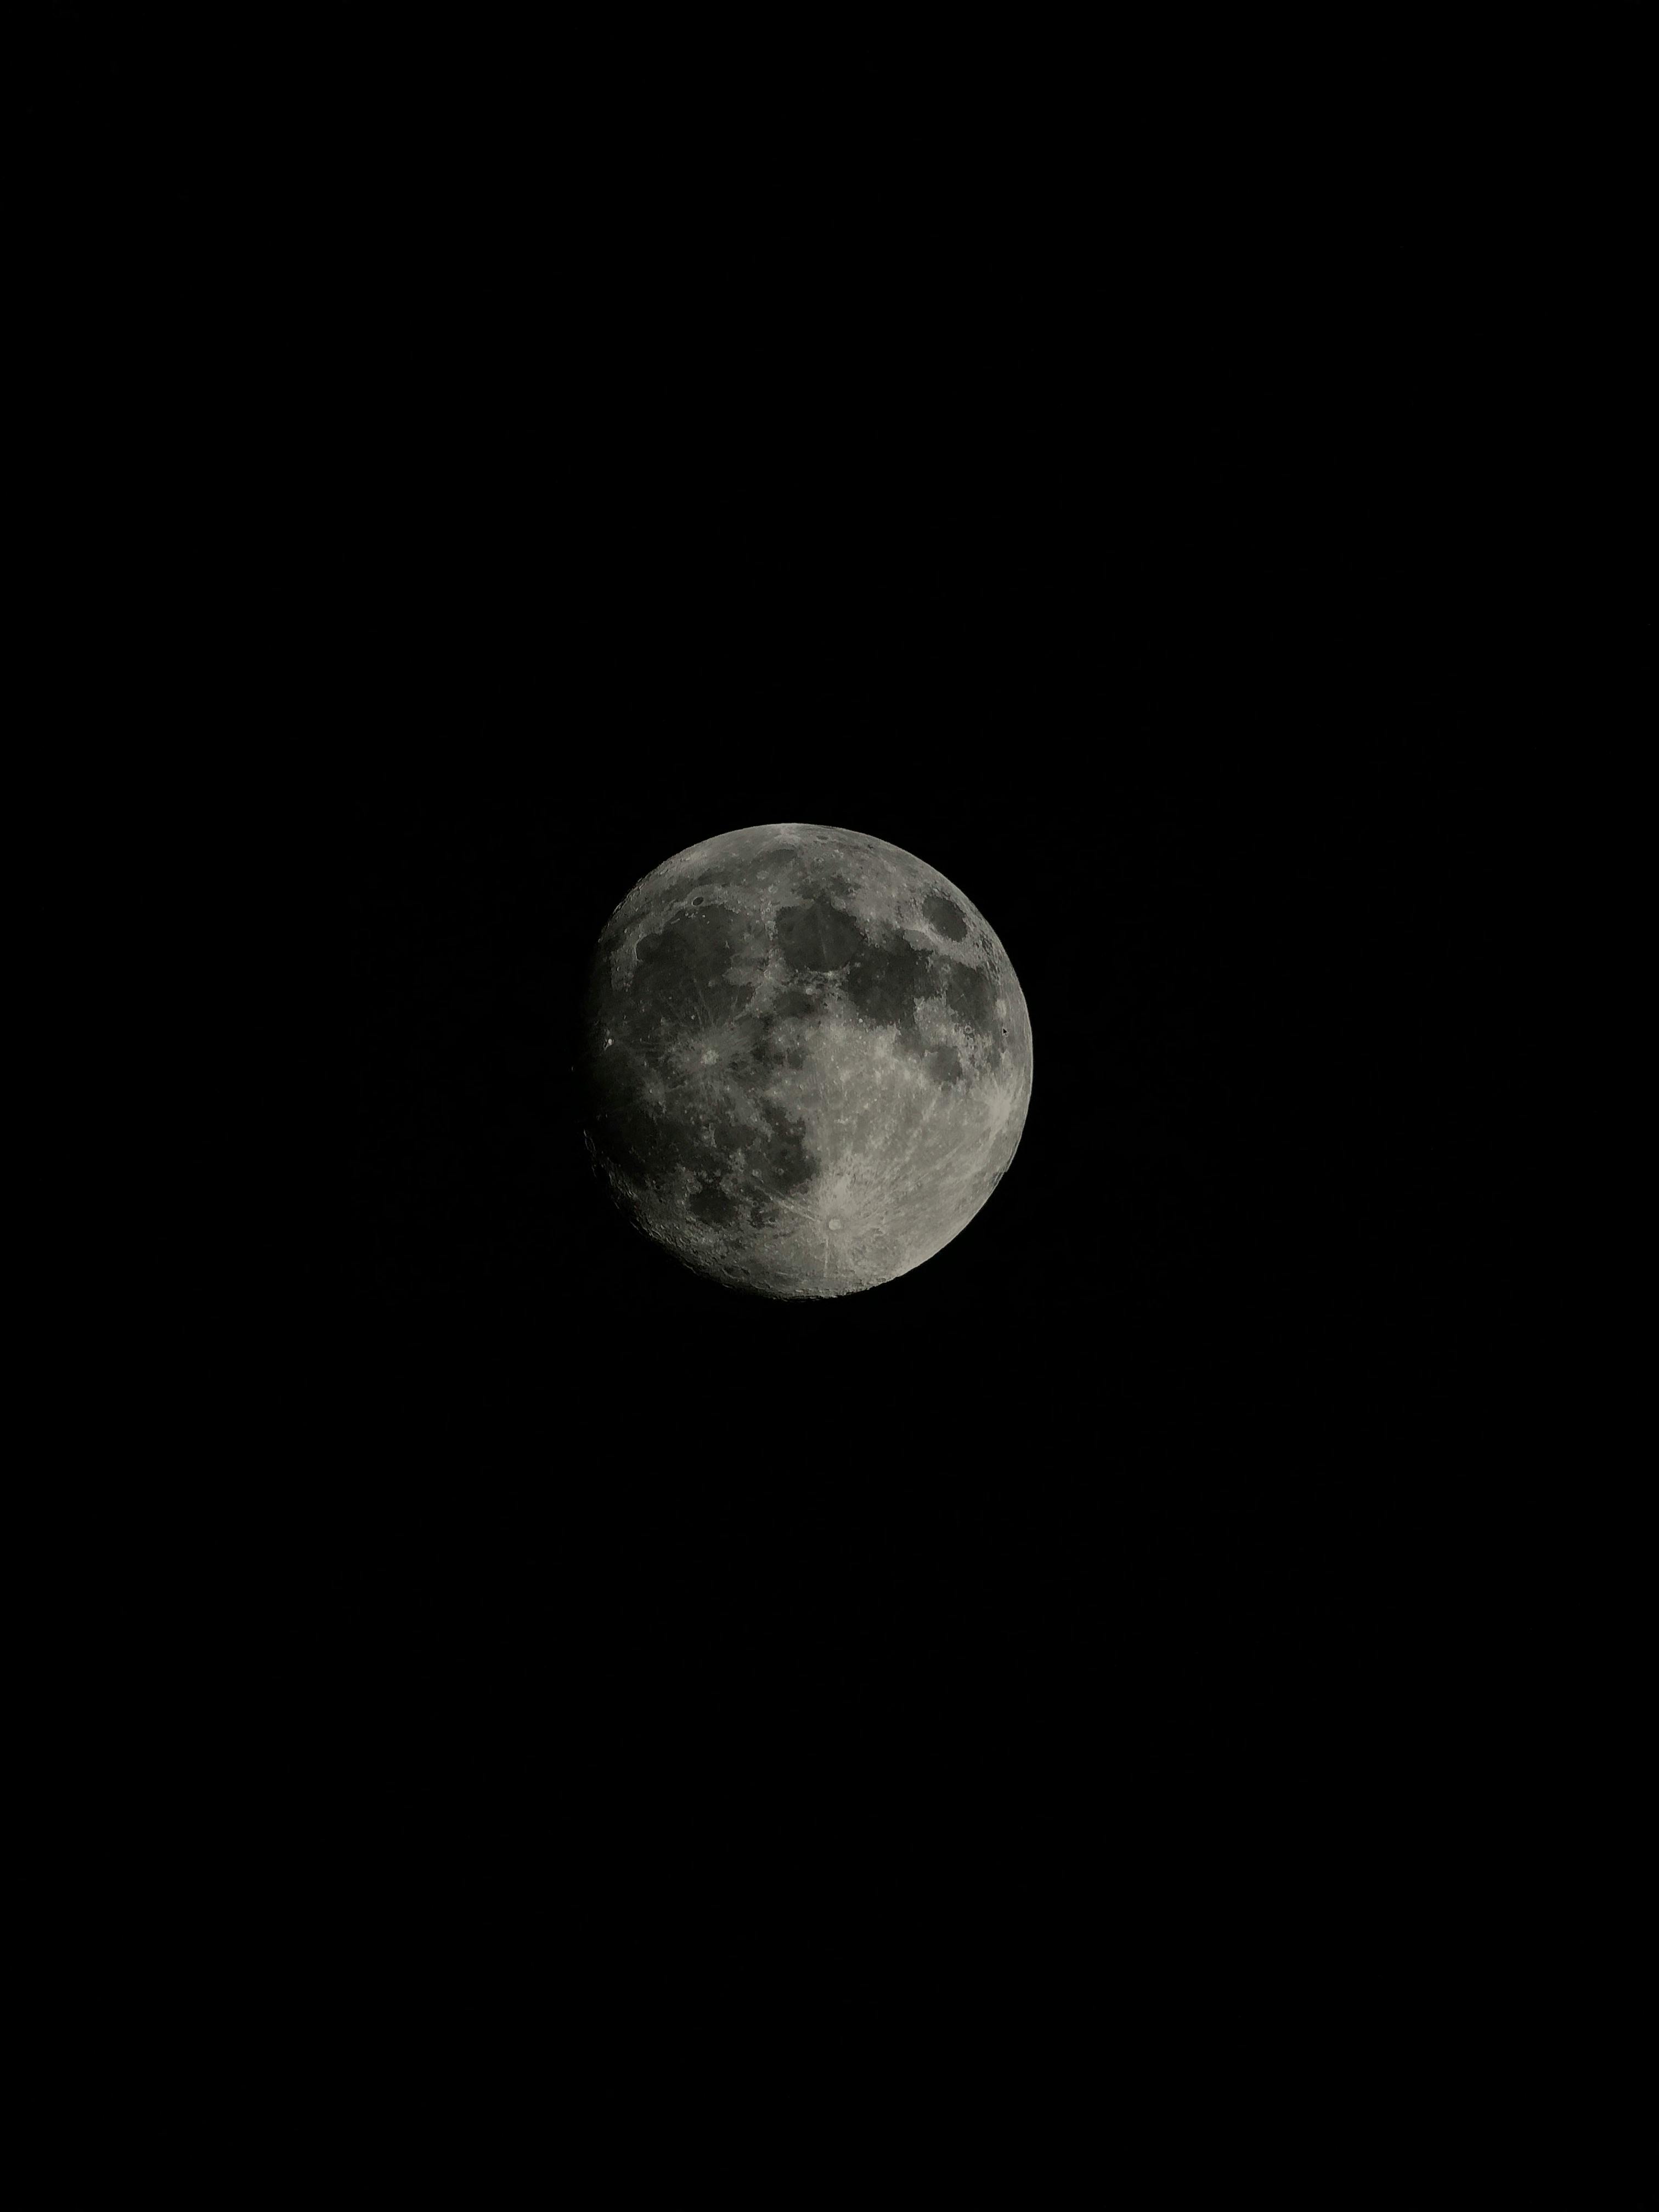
x=611 y=434
x=672 y=501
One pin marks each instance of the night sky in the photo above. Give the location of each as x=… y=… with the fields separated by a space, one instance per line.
x=695 y=523
x=656 y=499
x=543 y=445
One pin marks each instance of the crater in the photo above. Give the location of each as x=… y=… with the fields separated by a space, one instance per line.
x=948 y=920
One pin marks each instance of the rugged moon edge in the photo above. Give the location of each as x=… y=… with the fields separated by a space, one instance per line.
x=805 y=1057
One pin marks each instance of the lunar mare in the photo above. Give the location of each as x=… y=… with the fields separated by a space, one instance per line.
x=806 y=1059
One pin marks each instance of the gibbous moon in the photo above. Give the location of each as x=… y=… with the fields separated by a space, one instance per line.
x=807 y=1057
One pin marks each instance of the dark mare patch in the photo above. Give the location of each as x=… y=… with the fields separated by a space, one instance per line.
x=818 y=936
x=643 y=1137
x=629 y=1134
x=886 y=982
x=948 y=920
x=613 y=1077
x=711 y=1204
x=680 y=975
x=943 y=1063
x=781 y=1162
x=972 y=996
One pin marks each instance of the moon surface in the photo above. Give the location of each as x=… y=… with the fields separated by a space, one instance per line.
x=806 y=1060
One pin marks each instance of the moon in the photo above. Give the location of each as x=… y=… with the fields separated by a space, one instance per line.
x=805 y=1057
